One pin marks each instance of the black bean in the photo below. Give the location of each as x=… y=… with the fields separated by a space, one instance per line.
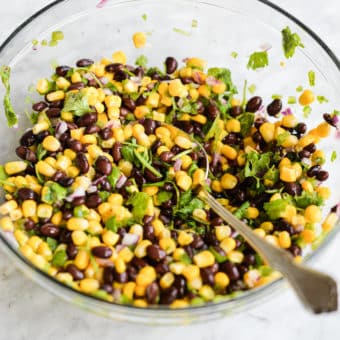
x=29 y=224
x=62 y=70
x=275 y=107
x=155 y=253
x=301 y=128
x=170 y=65
x=57 y=104
x=322 y=175
x=166 y=156
x=235 y=110
x=87 y=119
x=75 y=145
x=27 y=194
x=129 y=103
x=139 y=72
x=162 y=268
x=295 y=250
x=106 y=133
x=253 y=104
x=76 y=86
x=310 y=148
x=168 y=295
x=120 y=277
x=148 y=232
x=120 y=75
x=180 y=285
x=108 y=275
x=39 y=106
x=26 y=154
x=67 y=214
x=213 y=111
x=207 y=276
x=114 y=67
x=93 y=200
x=50 y=230
x=197 y=242
x=138 y=263
x=77 y=201
x=283 y=225
x=242 y=269
x=123 y=111
x=132 y=273
x=53 y=113
x=331 y=120
x=249 y=259
x=186 y=80
x=149 y=126
x=71 y=251
x=116 y=152
x=217 y=221
x=75 y=272
x=210 y=239
x=107 y=287
x=102 y=252
x=92 y=129
x=66 y=181
x=151 y=176
x=84 y=62
x=105 y=185
x=304 y=154
x=293 y=189
x=103 y=165
x=152 y=293
x=28 y=138
x=147 y=219
x=82 y=163
x=313 y=171
x=230 y=269
x=259 y=121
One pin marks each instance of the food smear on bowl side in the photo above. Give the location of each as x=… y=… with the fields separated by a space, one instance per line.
x=104 y=196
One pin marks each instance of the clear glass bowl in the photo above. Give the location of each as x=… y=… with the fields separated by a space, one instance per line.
x=222 y=27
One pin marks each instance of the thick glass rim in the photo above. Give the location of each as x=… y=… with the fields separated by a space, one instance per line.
x=259 y=292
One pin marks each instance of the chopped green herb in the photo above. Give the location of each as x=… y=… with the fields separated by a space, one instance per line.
x=299 y=89
x=53 y=43
x=144 y=160
x=322 y=99
x=311 y=78
x=252 y=88
x=185 y=258
x=41 y=152
x=142 y=60
x=307 y=111
x=291 y=100
x=282 y=137
x=224 y=75
x=180 y=31
x=140 y=202
x=218 y=257
x=57 y=35
x=276 y=96
x=234 y=54
x=145 y=17
x=113 y=225
x=59 y=258
x=290 y=41
x=12 y=119
x=80 y=211
x=242 y=210
x=194 y=23
x=44 y=42
x=35 y=42
x=187 y=204
x=333 y=156
x=104 y=195
x=53 y=193
x=265 y=270
x=215 y=131
x=335 y=113
x=3 y=177
x=246 y=120
x=76 y=103
x=114 y=176
x=274 y=209
x=258 y=60
x=52 y=243
x=163 y=196
x=257 y=163
x=308 y=198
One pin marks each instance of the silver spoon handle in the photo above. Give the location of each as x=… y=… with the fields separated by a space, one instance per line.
x=316 y=290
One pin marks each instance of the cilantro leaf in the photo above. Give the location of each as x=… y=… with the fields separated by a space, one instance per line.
x=142 y=60
x=59 y=258
x=258 y=60
x=311 y=78
x=3 y=177
x=274 y=209
x=224 y=75
x=140 y=202
x=76 y=103
x=290 y=41
x=308 y=198
x=242 y=210
x=104 y=195
x=163 y=196
x=52 y=243
x=41 y=152
x=282 y=137
x=127 y=153
x=114 y=176
x=218 y=257
x=12 y=119
x=113 y=225
x=53 y=193
x=256 y=163
x=246 y=120
x=216 y=131
x=187 y=204
x=333 y=156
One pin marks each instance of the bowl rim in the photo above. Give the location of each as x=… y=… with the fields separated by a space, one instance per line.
x=244 y=296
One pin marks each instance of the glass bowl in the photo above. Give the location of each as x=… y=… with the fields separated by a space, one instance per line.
x=208 y=29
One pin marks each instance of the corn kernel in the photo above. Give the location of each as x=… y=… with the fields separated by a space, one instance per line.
x=221 y=280
x=228 y=181
x=204 y=259
x=306 y=98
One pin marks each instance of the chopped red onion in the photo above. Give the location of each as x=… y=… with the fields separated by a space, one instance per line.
x=266 y=47
x=116 y=294
x=61 y=128
x=211 y=81
x=120 y=247
x=104 y=262
x=287 y=112
x=177 y=164
x=91 y=189
x=208 y=181
x=337 y=134
x=79 y=192
x=107 y=91
x=136 y=80
x=101 y=3
x=130 y=239
x=88 y=76
x=215 y=159
x=113 y=124
x=98 y=180
x=121 y=181
x=103 y=80
x=197 y=76
x=180 y=102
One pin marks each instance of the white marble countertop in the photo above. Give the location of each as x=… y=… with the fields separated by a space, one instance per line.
x=29 y=312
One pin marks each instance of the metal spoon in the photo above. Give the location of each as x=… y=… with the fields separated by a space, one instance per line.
x=316 y=290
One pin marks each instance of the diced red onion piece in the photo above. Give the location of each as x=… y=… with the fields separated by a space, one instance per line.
x=79 y=192
x=177 y=164
x=130 y=239
x=287 y=112
x=91 y=189
x=121 y=181
x=215 y=159
x=61 y=128
x=120 y=247
x=211 y=81
x=104 y=262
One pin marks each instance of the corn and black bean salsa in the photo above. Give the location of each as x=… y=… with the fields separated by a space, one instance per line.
x=103 y=198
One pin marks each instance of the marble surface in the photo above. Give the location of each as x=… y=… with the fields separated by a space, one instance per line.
x=28 y=312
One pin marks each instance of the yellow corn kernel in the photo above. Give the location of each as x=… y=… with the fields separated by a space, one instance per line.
x=289 y=121
x=167 y=244
x=307 y=186
x=38 y=261
x=70 y=154
x=57 y=218
x=50 y=143
x=6 y=224
x=204 y=259
x=290 y=141
x=129 y=289
x=78 y=237
x=284 y=239
x=29 y=208
x=329 y=222
x=219 y=88
x=186 y=162
x=12 y=168
x=216 y=186
x=167 y=280
x=233 y=125
x=177 y=89
x=200 y=214
x=120 y=265
x=308 y=236
x=82 y=259
x=183 y=181
x=110 y=238
x=6 y=207
x=177 y=267
x=45 y=251
x=146 y=276
x=251 y=278
x=126 y=254
x=228 y=244
x=140 y=303
x=76 y=77
x=42 y=86
x=235 y=256
x=272 y=239
x=222 y=232
x=267 y=131
x=44 y=210
x=183 y=142
x=313 y=214
x=195 y=284
x=51 y=161
x=21 y=237
x=140 y=250
x=229 y=152
x=221 y=280
x=89 y=285
x=119 y=57
x=198 y=177
x=184 y=238
x=318 y=157
x=323 y=130
x=15 y=214
x=34 y=242
x=45 y=169
x=323 y=192
x=228 y=181
x=27 y=251
x=56 y=95
x=191 y=272
x=196 y=63
x=307 y=97
x=40 y=126
x=95 y=227
x=72 y=171
x=153 y=100
x=77 y=223
x=252 y=212
x=267 y=226
x=62 y=83
x=207 y=293
x=288 y=174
